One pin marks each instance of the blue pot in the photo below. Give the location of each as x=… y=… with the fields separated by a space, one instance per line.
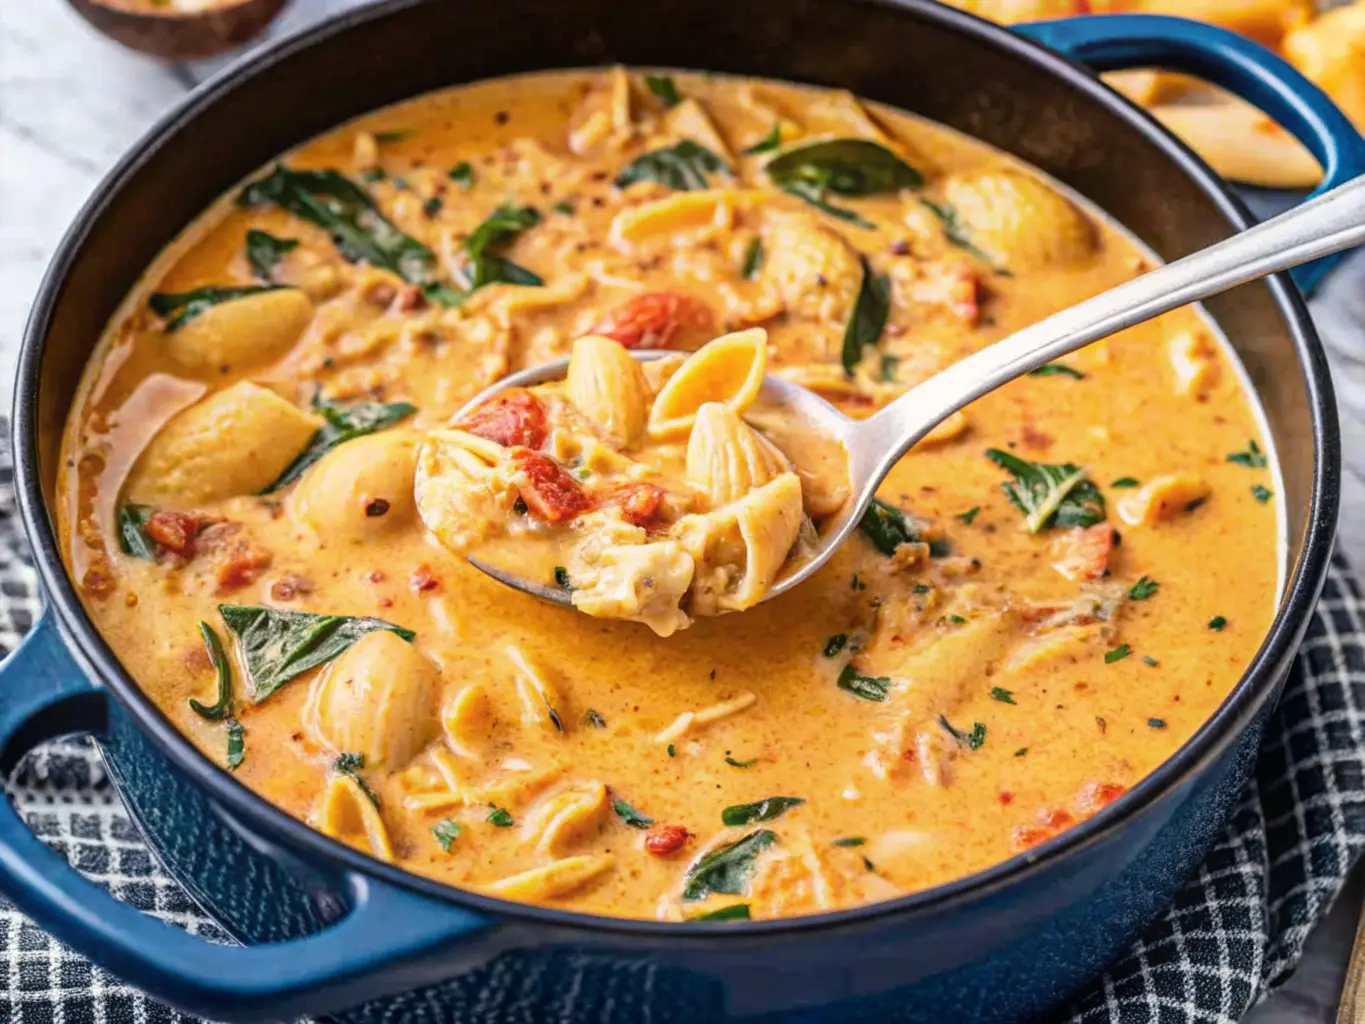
x=326 y=929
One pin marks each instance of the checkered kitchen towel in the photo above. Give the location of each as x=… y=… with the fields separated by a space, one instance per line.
x=1235 y=931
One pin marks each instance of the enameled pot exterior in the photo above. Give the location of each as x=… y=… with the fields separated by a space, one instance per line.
x=344 y=930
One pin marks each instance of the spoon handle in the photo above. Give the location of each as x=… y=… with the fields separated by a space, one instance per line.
x=1327 y=224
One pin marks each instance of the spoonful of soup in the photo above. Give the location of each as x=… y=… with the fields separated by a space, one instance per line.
x=659 y=487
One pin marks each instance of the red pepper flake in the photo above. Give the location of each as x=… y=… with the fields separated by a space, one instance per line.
x=422 y=581
x=1006 y=797
x=376 y=507
x=374 y=576
x=666 y=839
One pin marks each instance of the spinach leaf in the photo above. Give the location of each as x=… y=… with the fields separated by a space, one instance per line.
x=769 y=142
x=953 y=229
x=446 y=832
x=753 y=260
x=1050 y=495
x=734 y=912
x=236 y=744
x=868 y=319
x=264 y=252
x=682 y=167
x=182 y=307
x=887 y=527
x=351 y=766
x=277 y=645
x=219 y=659
x=1117 y=653
x=1003 y=695
x=871 y=688
x=760 y=810
x=1057 y=370
x=728 y=869
x=1144 y=588
x=846 y=167
x=500 y=817
x=1262 y=493
x=664 y=88
x=485 y=266
x=630 y=815
x=361 y=233
x=835 y=644
x=344 y=423
x=132 y=532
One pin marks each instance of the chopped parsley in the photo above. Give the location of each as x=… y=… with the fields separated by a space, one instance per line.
x=350 y=765
x=1144 y=588
x=672 y=751
x=1117 y=654
x=394 y=136
x=1003 y=695
x=433 y=206
x=446 y=832
x=873 y=688
x=969 y=515
x=499 y=817
x=1262 y=493
x=462 y=174
x=1022 y=751
x=957 y=620
x=856 y=583
x=562 y=578
x=1126 y=481
x=663 y=87
x=850 y=841
x=1252 y=458
x=1057 y=370
x=593 y=720
x=753 y=259
x=973 y=740
x=630 y=815
x=769 y=142
x=835 y=644
x=921 y=588
x=740 y=764
x=1157 y=723
x=1217 y=623
x=1147 y=659
x=565 y=207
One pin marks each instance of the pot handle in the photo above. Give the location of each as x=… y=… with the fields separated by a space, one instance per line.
x=386 y=943
x=1118 y=42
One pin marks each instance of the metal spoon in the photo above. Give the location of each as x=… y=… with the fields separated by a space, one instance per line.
x=1330 y=223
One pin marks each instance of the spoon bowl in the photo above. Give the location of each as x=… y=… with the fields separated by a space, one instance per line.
x=1327 y=224
x=175 y=34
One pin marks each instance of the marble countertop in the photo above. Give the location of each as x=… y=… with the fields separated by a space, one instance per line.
x=71 y=102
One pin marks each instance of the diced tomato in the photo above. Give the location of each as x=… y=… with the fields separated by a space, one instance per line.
x=1055 y=819
x=1085 y=553
x=550 y=493
x=956 y=287
x=653 y=320
x=174 y=531
x=666 y=839
x=1025 y=836
x=640 y=503
x=239 y=563
x=511 y=418
x=1096 y=796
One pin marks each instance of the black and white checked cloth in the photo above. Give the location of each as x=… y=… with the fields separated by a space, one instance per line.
x=1234 y=933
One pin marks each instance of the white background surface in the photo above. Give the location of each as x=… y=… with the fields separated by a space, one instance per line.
x=71 y=102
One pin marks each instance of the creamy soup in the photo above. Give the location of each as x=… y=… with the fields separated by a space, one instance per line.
x=262 y=502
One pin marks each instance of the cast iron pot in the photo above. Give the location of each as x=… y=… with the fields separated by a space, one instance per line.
x=326 y=929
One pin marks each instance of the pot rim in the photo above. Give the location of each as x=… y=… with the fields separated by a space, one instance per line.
x=1209 y=742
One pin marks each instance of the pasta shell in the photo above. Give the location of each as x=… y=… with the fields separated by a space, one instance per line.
x=608 y=387
x=1162 y=499
x=727 y=458
x=813 y=269
x=461 y=487
x=728 y=370
x=1019 y=221
x=681 y=218
x=565 y=817
x=1194 y=360
x=552 y=880
x=540 y=698
x=348 y=815
x=188 y=463
x=465 y=720
x=378 y=699
x=360 y=488
x=241 y=333
x=689 y=120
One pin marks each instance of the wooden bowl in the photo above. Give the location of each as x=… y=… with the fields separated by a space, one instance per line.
x=181 y=35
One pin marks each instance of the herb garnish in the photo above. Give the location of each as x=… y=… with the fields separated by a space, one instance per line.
x=276 y=645
x=873 y=688
x=769 y=142
x=630 y=815
x=499 y=817
x=969 y=515
x=727 y=870
x=856 y=583
x=462 y=174
x=1049 y=495
x=132 y=533
x=753 y=259
x=868 y=319
x=394 y=136
x=846 y=167
x=1144 y=588
x=562 y=580
x=1057 y=370
x=1126 y=481
x=957 y=620
x=1117 y=654
x=446 y=832
x=236 y=744
x=1147 y=659
x=971 y=740
x=1252 y=458
x=264 y=252
x=593 y=720
x=663 y=87
x=734 y=912
x=850 y=841
x=890 y=367
x=682 y=167
x=954 y=231
x=219 y=660
x=343 y=423
x=1022 y=751
x=182 y=307
x=835 y=644
x=351 y=765
x=360 y=231
x=740 y=764
x=433 y=206
x=760 y=810
x=1217 y=623
x=672 y=752
x=1003 y=695
x=565 y=207
x=1262 y=493
x=1157 y=723
x=887 y=527
x=485 y=267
